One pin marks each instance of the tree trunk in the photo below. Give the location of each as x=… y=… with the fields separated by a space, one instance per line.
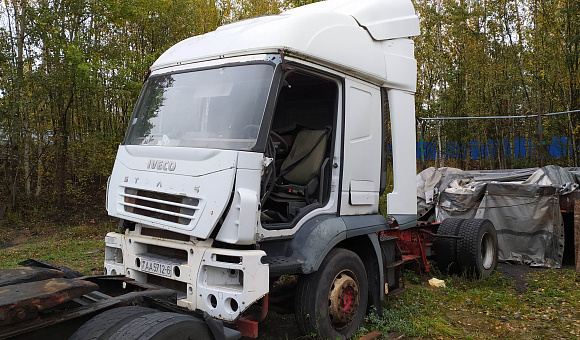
x=62 y=133
x=39 y=170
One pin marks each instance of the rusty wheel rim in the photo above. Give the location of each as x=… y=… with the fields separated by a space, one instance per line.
x=343 y=299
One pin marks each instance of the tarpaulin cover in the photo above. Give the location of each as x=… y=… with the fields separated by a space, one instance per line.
x=522 y=204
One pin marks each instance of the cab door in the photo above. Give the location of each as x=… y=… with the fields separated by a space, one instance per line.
x=361 y=149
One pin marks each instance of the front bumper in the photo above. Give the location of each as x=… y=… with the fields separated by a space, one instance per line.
x=221 y=282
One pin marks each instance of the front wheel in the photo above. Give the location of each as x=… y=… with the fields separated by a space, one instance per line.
x=164 y=326
x=332 y=302
x=102 y=326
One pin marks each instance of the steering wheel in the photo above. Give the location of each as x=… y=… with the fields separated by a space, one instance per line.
x=269 y=179
x=282 y=147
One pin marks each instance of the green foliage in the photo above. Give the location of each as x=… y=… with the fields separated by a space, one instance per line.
x=498 y=58
x=412 y=277
x=485 y=309
x=298 y=3
x=68 y=84
x=70 y=72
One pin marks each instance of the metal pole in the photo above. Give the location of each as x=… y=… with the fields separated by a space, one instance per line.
x=541 y=155
x=422 y=145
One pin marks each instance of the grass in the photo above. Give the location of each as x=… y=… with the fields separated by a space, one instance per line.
x=486 y=309
x=80 y=248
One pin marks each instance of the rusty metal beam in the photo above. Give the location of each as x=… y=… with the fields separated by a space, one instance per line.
x=13 y=276
x=133 y=298
x=567 y=201
x=24 y=301
x=371 y=336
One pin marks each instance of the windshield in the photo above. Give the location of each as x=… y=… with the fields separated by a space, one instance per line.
x=219 y=108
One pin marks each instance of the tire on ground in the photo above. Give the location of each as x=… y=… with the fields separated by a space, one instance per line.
x=477 y=250
x=332 y=302
x=103 y=325
x=164 y=326
x=446 y=248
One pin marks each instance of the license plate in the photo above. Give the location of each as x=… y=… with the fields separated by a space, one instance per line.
x=156 y=267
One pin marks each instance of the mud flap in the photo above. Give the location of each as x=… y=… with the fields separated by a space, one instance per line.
x=218 y=330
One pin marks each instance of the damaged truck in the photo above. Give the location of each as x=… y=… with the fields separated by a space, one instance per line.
x=256 y=152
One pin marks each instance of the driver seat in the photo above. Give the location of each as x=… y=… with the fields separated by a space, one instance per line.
x=300 y=172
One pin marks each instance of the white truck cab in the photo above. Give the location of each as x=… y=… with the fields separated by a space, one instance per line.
x=255 y=151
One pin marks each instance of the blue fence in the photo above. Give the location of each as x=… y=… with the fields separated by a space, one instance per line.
x=558 y=147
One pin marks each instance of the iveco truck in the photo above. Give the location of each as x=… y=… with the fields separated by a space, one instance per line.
x=256 y=152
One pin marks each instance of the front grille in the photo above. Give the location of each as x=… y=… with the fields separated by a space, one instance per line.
x=164 y=234
x=172 y=208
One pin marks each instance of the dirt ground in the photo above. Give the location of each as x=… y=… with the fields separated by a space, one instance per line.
x=279 y=326
x=15 y=238
x=518 y=273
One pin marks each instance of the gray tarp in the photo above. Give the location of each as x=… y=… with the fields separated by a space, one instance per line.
x=522 y=204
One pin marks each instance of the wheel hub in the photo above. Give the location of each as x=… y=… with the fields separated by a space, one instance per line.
x=343 y=300
x=487 y=251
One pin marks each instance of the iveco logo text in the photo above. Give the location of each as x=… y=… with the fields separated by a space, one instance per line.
x=161 y=165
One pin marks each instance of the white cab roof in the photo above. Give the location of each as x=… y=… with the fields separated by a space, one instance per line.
x=357 y=36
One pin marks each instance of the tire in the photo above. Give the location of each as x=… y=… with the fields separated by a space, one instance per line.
x=164 y=326
x=446 y=248
x=477 y=250
x=102 y=326
x=332 y=302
